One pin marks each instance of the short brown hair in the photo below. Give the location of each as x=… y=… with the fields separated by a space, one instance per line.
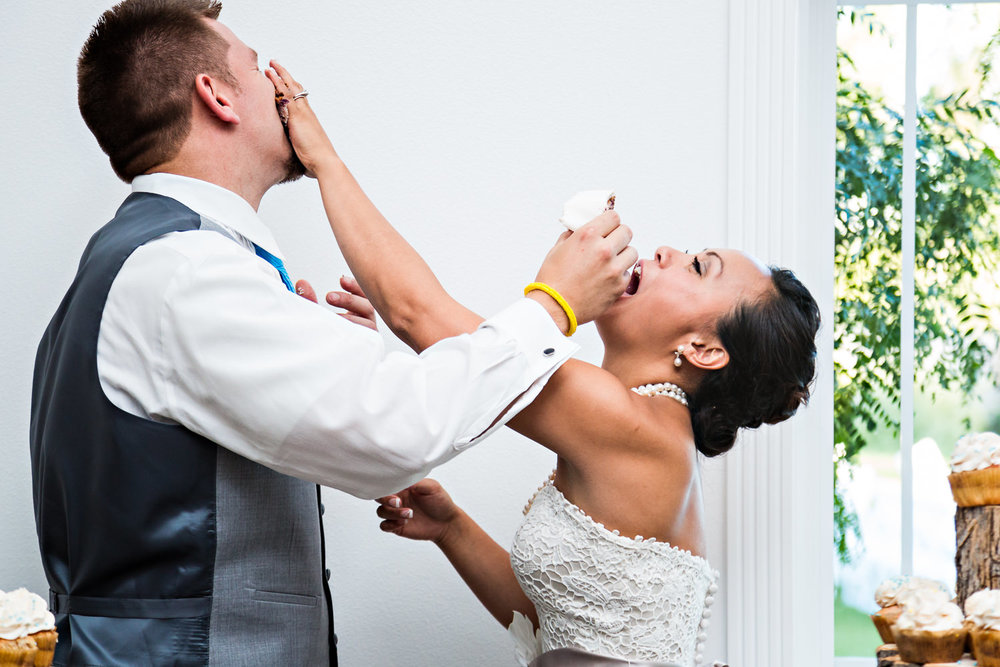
x=136 y=74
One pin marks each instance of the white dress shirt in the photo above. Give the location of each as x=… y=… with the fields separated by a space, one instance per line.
x=198 y=330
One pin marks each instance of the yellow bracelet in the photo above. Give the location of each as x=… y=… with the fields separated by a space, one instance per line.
x=570 y=315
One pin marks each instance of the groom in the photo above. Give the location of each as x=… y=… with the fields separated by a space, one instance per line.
x=186 y=403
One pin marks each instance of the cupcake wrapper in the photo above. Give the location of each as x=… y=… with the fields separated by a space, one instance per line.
x=883 y=620
x=975 y=488
x=46 y=640
x=986 y=647
x=18 y=652
x=923 y=646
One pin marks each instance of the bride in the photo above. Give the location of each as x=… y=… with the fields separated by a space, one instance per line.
x=609 y=563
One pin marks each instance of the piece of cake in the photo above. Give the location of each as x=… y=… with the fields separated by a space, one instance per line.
x=982 y=614
x=930 y=628
x=27 y=630
x=281 y=103
x=583 y=207
x=975 y=470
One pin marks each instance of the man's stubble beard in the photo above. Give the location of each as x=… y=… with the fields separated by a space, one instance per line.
x=294 y=169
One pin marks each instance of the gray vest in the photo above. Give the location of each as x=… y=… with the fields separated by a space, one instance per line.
x=160 y=547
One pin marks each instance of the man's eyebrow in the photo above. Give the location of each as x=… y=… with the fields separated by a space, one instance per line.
x=716 y=255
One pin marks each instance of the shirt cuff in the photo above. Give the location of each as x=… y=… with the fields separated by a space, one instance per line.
x=542 y=344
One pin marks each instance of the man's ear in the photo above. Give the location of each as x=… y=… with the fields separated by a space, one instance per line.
x=215 y=99
x=707 y=355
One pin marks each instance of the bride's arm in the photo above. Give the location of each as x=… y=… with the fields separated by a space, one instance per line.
x=583 y=407
x=588 y=267
x=482 y=563
x=400 y=285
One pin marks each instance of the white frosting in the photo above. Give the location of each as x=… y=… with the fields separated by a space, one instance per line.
x=983 y=609
x=931 y=610
x=896 y=589
x=885 y=594
x=976 y=451
x=584 y=207
x=23 y=613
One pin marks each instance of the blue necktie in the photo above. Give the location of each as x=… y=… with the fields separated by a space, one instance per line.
x=276 y=263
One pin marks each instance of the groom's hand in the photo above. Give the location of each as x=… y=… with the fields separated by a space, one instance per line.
x=588 y=267
x=305 y=290
x=359 y=308
x=353 y=300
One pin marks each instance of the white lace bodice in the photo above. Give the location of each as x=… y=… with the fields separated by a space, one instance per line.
x=605 y=593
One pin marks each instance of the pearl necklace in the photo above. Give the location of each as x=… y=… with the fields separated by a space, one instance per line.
x=663 y=389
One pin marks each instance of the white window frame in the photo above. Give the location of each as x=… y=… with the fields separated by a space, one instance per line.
x=907 y=288
x=780 y=196
x=779 y=507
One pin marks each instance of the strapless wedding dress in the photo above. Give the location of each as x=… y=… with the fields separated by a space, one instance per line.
x=604 y=593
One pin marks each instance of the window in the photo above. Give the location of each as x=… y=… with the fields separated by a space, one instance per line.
x=918 y=301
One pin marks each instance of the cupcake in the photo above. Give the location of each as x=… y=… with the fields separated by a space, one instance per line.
x=27 y=630
x=975 y=470
x=891 y=595
x=930 y=629
x=982 y=611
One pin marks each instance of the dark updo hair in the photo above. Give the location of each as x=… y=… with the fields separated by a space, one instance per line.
x=772 y=360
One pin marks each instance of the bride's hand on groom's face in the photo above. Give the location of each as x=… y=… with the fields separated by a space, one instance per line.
x=310 y=142
x=423 y=511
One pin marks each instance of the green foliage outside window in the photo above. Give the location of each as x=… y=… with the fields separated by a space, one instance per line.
x=957 y=252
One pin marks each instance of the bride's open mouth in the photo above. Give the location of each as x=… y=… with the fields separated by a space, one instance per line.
x=633 y=283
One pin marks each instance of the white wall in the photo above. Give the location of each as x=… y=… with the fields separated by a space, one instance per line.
x=468 y=124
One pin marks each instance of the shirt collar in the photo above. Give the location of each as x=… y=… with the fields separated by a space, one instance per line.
x=216 y=203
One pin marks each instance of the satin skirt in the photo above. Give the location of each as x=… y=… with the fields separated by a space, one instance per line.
x=571 y=657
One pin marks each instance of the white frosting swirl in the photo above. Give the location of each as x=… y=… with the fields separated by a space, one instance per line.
x=983 y=609
x=895 y=590
x=885 y=594
x=931 y=610
x=976 y=451
x=23 y=613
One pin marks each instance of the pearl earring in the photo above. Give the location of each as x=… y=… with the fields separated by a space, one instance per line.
x=678 y=356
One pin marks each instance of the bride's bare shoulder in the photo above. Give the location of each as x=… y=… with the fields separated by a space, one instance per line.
x=585 y=409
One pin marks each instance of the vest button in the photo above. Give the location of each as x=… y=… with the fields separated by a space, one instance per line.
x=322 y=509
x=327 y=574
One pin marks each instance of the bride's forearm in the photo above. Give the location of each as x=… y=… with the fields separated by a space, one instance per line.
x=485 y=567
x=394 y=277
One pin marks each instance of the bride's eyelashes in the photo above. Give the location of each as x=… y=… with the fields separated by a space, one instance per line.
x=697 y=265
